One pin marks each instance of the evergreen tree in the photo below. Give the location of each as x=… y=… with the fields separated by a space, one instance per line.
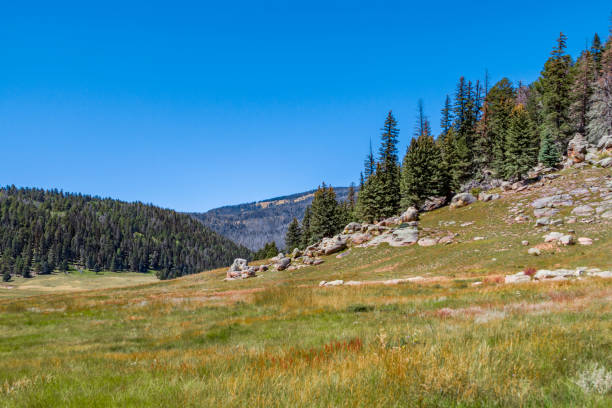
x=325 y=217
x=521 y=154
x=549 y=152
x=464 y=125
x=555 y=83
x=599 y=115
x=421 y=172
x=596 y=51
x=293 y=238
x=306 y=235
x=500 y=102
x=370 y=201
x=351 y=196
x=389 y=198
x=582 y=89
x=369 y=163
x=452 y=174
x=446 y=121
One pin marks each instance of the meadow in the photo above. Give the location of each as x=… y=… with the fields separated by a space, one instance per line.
x=281 y=340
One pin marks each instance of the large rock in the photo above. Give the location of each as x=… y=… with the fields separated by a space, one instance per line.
x=558 y=200
x=517 y=278
x=577 y=148
x=240 y=269
x=607 y=162
x=425 y=242
x=332 y=245
x=359 y=238
x=605 y=143
x=552 y=236
x=487 y=197
x=462 y=200
x=583 y=211
x=352 y=227
x=411 y=214
x=432 y=203
x=283 y=264
x=558 y=273
x=545 y=212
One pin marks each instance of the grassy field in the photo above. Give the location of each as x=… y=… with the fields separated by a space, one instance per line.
x=280 y=340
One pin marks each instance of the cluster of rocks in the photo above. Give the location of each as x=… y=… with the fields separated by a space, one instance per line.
x=580 y=152
x=557 y=274
x=240 y=269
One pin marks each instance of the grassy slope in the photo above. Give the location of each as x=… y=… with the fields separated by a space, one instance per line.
x=279 y=340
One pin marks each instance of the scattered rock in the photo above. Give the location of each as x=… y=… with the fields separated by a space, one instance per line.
x=605 y=143
x=517 y=278
x=583 y=211
x=425 y=242
x=478 y=238
x=359 y=238
x=607 y=215
x=552 y=236
x=240 y=270
x=607 y=162
x=525 y=243
x=487 y=197
x=558 y=273
x=545 y=212
x=567 y=240
x=462 y=200
x=433 y=203
x=411 y=214
x=542 y=221
x=332 y=283
x=534 y=251
x=446 y=240
x=585 y=241
x=282 y=264
x=317 y=262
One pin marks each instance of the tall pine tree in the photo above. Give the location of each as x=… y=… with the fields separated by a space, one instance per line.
x=521 y=152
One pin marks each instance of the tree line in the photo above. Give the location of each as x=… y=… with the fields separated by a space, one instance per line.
x=501 y=132
x=46 y=230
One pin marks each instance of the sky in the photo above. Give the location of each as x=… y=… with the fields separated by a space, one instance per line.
x=195 y=105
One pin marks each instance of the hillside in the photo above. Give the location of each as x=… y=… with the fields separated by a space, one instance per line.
x=420 y=325
x=41 y=231
x=255 y=224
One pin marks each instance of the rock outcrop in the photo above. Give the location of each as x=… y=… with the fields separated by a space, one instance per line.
x=462 y=200
x=577 y=148
x=240 y=269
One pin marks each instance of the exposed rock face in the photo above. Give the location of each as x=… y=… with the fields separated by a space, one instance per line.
x=462 y=200
x=577 y=148
x=432 y=203
x=352 y=228
x=411 y=214
x=240 y=269
x=359 y=238
x=558 y=200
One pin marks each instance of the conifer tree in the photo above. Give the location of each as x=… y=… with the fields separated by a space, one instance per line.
x=325 y=217
x=351 y=196
x=388 y=171
x=293 y=238
x=582 y=89
x=555 y=83
x=596 y=51
x=521 y=154
x=369 y=163
x=306 y=235
x=448 y=148
x=500 y=102
x=446 y=121
x=464 y=125
x=549 y=152
x=599 y=115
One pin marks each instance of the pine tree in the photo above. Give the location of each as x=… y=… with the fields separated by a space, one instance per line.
x=293 y=238
x=449 y=163
x=369 y=163
x=325 y=217
x=549 y=152
x=500 y=102
x=306 y=235
x=421 y=172
x=351 y=196
x=521 y=154
x=599 y=115
x=582 y=89
x=596 y=51
x=464 y=125
x=555 y=83
x=446 y=120
x=389 y=198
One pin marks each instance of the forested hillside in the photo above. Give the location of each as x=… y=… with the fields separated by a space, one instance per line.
x=45 y=230
x=255 y=224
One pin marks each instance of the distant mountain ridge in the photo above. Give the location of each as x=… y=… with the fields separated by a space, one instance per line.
x=254 y=224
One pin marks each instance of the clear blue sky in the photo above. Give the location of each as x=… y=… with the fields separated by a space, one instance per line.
x=195 y=105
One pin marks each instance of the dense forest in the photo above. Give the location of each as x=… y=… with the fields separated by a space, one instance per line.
x=42 y=231
x=487 y=133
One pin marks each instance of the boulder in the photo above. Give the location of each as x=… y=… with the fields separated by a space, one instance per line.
x=545 y=212
x=283 y=264
x=425 y=242
x=352 y=228
x=487 y=197
x=607 y=215
x=240 y=270
x=558 y=273
x=359 y=238
x=411 y=214
x=517 y=278
x=558 y=200
x=462 y=200
x=524 y=242
x=334 y=245
x=433 y=203
x=391 y=221
x=332 y=283
x=605 y=143
x=534 y=251
x=552 y=236
x=567 y=240
x=583 y=211
x=542 y=221
x=607 y=162
x=296 y=253
x=585 y=241
x=404 y=236
x=318 y=262
x=446 y=240
x=577 y=148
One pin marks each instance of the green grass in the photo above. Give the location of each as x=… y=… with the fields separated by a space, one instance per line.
x=280 y=340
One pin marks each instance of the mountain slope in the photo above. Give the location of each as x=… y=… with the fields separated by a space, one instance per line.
x=42 y=230
x=255 y=224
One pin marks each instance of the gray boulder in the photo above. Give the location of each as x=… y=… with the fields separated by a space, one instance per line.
x=607 y=162
x=462 y=200
x=605 y=143
x=240 y=269
x=411 y=214
x=577 y=148
x=432 y=203
x=283 y=264
x=583 y=211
